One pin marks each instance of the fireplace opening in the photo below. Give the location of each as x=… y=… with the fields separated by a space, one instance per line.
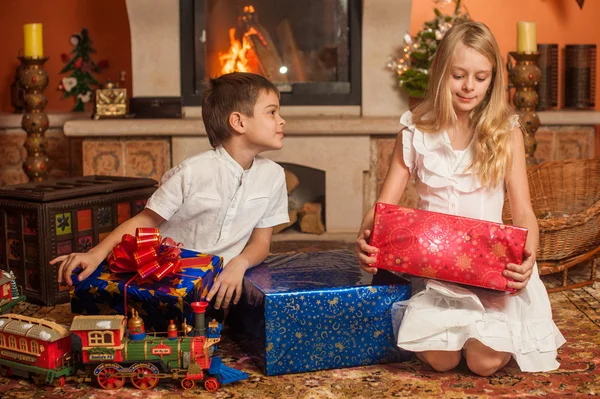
x=310 y=49
x=306 y=199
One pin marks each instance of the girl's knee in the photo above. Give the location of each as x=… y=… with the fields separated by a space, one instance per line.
x=441 y=361
x=486 y=365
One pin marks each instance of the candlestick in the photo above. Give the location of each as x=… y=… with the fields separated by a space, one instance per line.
x=526 y=40
x=34 y=80
x=33 y=41
x=524 y=77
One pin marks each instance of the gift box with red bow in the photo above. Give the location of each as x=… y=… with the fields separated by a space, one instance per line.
x=150 y=274
x=446 y=247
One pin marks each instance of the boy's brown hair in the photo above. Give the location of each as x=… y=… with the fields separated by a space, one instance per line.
x=232 y=92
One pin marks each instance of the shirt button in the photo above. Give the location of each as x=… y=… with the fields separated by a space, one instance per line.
x=453 y=205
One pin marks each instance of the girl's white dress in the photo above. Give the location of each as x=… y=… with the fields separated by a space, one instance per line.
x=443 y=316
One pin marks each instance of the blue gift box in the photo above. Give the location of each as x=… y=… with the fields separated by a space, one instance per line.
x=157 y=302
x=316 y=311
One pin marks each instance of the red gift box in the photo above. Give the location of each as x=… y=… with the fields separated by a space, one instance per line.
x=446 y=247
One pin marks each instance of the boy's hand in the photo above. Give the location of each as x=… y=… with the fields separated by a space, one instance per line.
x=228 y=282
x=87 y=261
x=363 y=250
x=520 y=273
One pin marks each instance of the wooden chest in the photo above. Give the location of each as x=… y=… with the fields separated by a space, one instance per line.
x=39 y=221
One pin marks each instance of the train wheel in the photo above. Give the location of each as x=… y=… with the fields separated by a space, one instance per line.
x=5 y=372
x=59 y=382
x=108 y=378
x=211 y=384
x=187 y=383
x=144 y=378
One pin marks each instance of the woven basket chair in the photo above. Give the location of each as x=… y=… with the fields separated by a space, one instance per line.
x=565 y=196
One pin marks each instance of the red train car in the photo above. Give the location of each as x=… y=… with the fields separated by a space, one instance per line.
x=102 y=337
x=35 y=348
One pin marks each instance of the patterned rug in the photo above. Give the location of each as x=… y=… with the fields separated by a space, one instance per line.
x=576 y=313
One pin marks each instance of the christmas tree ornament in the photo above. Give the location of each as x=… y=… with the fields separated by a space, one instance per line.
x=85 y=98
x=69 y=83
x=412 y=64
x=81 y=83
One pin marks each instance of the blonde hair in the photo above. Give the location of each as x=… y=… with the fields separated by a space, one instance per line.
x=490 y=120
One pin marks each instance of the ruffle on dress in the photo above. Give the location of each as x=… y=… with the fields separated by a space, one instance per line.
x=445 y=315
x=436 y=163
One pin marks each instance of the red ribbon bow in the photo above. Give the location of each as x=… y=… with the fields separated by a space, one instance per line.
x=146 y=254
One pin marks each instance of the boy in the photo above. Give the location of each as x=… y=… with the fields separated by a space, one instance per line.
x=224 y=201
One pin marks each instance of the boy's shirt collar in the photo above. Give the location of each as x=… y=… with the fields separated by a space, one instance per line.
x=231 y=163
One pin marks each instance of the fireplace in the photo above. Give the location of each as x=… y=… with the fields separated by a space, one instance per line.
x=310 y=49
x=342 y=142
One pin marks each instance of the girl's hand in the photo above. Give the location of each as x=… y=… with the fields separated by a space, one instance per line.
x=520 y=273
x=363 y=250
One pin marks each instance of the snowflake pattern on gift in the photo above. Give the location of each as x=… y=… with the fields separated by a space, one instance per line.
x=447 y=247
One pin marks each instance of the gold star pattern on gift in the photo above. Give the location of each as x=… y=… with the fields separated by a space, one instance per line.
x=108 y=277
x=206 y=269
x=180 y=304
x=176 y=281
x=178 y=292
x=113 y=288
x=94 y=291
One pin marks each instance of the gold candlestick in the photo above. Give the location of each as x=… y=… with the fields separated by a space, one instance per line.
x=524 y=76
x=34 y=80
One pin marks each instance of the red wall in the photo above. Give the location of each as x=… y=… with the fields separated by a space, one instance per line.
x=108 y=27
x=557 y=21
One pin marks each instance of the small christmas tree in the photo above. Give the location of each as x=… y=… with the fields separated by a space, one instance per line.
x=81 y=83
x=412 y=66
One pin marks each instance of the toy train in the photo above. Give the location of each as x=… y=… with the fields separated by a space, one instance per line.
x=104 y=349
x=10 y=294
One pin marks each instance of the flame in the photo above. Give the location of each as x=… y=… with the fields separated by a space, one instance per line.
x=235 y=60
x=240 y=54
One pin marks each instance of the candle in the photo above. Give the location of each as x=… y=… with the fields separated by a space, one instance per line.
x=34 y=43
x=526 y=41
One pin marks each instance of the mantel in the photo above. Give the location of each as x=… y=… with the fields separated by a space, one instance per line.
x=322 y=125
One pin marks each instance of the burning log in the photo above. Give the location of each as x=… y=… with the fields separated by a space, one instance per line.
x=252 y=49
x=262 y=45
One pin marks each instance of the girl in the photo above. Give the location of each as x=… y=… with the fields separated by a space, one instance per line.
x=465 y=145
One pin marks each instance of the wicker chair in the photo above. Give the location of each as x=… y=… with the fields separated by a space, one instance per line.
x=565 y=196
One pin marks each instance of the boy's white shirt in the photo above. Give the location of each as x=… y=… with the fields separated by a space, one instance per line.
x=212 y=205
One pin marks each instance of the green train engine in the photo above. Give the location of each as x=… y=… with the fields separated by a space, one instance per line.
x=187 y=356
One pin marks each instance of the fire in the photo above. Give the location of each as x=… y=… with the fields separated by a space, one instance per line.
x=240 y=55
x=236 y=59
